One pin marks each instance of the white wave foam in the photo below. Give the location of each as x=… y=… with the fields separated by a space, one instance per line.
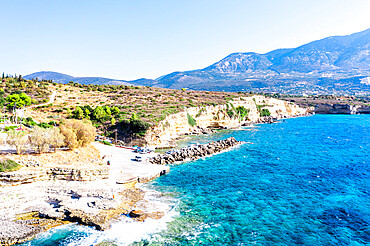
x=123 y=232
x=127 y=230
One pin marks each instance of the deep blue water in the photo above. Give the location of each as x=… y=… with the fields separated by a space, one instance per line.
x=303 y=181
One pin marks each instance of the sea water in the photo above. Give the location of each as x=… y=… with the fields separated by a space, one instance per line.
x=302 y=181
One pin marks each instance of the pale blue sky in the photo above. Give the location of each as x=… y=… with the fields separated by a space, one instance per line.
x=136 y=38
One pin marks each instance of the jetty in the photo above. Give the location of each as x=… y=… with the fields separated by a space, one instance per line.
x=195 y=152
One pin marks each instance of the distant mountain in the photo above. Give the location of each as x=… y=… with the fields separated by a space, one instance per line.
x=64 y=78
x=333 y=65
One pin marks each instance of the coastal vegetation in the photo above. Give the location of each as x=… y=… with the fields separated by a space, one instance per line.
x=191 y=120
x=7 y=165
x=128 y=111
x=15 y=89
x=108 y=107
x=242 y=113
x=265 y=112
x=71 y=134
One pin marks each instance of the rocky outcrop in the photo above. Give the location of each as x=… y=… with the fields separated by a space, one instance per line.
x=78 y=174
x=335 y=109
x=364 y=109
x=220 y=116
x=22 y=177
x=61 y=173
x=194 y=152
x=341 y=109
x=12 y=232
x=52 y=203
x=25 y=228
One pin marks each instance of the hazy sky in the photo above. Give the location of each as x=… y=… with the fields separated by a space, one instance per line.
x=134 y=38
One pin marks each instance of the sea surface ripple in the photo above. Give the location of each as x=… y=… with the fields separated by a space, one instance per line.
x=302 y=181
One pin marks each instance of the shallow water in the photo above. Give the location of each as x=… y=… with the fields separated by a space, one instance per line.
x=303 y=181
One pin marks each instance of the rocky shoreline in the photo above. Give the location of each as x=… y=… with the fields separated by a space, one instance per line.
x=64 y=195
x=341 y=109
x=39 y=197
x=195 y=152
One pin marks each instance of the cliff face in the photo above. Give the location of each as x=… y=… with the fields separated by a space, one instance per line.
x=216 y=116
x=341 y=109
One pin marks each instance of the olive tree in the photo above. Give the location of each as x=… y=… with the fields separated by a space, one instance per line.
x=39 y=139
x=78 y=133
x=17 y=138
x=56 y=138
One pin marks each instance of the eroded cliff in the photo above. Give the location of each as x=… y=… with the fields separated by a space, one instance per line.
x=221 y=116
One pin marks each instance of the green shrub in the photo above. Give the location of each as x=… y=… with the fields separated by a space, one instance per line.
x=191 y=120
x=200 y=112
x=230 y=113
x=138 y=126
x=9 y=128
x=9 y=166
x=44 y=125
x=265 y=112
x=107 y=143
x=242 y=112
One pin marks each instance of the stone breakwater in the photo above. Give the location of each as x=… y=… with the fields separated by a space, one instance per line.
x=195 y=152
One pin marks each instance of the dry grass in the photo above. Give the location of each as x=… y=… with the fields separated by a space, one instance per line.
x=81 y=157
x=149 y=103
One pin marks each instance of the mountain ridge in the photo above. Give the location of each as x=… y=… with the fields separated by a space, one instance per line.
x=332 y=65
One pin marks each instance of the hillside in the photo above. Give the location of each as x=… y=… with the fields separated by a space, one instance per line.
x=109 y=107
x=64 y=79
x=333 y=65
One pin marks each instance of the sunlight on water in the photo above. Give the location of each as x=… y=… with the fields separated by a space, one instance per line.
x=304 y=181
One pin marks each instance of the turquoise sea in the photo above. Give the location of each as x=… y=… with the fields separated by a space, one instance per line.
x=302 y=181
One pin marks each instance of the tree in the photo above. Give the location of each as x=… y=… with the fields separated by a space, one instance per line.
x=44 y=138
x=17 y=138
x=139 y=126
x=78 y=113
x=115 y=110
x=87 y=113
x=265 y=112
x=70 y=138
x=56 y=138
x=98 y=113
x=18 y=100
x=242 y=112
x=107 y=110
x=78 y=133
x=39 y=139
x=85 y=132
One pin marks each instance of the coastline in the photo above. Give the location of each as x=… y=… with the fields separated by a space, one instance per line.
x=176 y=126
x=99 y=203
x=48 y=203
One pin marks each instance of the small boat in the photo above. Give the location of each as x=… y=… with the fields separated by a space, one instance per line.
x=138 y=158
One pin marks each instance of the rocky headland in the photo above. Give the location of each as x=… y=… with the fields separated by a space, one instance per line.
x=341 y=109
x=175 y=126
